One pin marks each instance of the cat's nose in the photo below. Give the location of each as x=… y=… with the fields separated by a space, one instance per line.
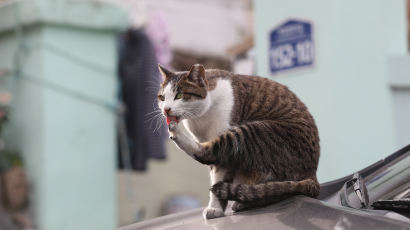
x=167 y=110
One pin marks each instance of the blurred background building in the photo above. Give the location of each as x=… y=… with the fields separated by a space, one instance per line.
x=82 y=145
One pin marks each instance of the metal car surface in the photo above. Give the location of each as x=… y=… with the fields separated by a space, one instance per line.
x=340 y=205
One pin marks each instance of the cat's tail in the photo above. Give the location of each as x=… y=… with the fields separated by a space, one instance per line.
x=258 y=192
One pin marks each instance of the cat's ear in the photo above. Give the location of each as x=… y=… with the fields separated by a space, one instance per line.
x=197 y=75
x=165 y=73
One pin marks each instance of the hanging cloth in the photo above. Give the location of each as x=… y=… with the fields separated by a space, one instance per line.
x=140 y=81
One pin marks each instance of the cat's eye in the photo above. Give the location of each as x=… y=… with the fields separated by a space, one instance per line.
x=161 y=97
x=179 y=95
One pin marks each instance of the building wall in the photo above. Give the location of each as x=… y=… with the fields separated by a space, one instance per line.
x=79 y=135
x=399 y=72
x=347 y=89
x=63 y=118
x=202 y=27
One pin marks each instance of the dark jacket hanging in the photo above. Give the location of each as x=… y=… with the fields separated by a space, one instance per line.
x=140 y=82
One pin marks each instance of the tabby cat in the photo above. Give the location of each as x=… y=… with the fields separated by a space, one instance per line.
x=258 y=138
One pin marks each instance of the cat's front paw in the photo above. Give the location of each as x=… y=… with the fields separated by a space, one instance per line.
x=172 y=129
x=211 y=213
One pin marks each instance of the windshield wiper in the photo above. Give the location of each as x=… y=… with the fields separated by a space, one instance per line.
x=402 y=205
x=360 y=190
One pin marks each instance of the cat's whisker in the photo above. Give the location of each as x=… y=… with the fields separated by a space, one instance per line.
x=155 y=105
x=160 y=122
x=153 y=117
x=155 y=111
x=154 y=123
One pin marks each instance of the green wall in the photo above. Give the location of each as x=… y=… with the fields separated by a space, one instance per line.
x=347 y=89
x=62 y=119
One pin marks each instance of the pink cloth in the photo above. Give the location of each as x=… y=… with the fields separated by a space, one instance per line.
x=157 y=30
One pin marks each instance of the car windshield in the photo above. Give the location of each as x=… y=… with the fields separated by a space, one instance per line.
x=390 y=183
x=384 y=188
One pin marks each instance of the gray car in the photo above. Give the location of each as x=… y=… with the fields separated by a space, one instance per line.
x=377 y=197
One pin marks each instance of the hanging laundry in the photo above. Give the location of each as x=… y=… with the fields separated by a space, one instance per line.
x=140 y=80
x=156 y=29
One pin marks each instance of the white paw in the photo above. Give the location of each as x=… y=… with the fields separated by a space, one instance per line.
x=210 y=213
x=172 y=128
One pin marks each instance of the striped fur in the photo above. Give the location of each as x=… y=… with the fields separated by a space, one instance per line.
x=253 y=130
x=246 y=193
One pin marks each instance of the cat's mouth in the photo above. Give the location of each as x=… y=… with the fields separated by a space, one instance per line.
x=172 y=118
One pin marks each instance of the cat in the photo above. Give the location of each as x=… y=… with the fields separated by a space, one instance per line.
x=259 y=140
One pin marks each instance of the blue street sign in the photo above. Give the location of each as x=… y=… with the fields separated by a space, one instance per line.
x=291 y=46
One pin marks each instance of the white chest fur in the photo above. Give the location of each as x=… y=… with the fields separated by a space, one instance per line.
x=216 y=120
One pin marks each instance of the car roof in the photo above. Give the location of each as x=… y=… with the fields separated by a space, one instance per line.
x=298 y=212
